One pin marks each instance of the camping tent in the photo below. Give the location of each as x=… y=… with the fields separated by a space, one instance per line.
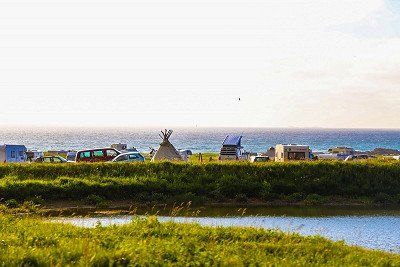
x=166 y=151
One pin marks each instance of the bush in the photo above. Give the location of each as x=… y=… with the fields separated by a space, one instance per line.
x=383 y=198
x=241 y=198
x=11 y=203
x=37 y=200
x=314 y=199
x=296 y=197
x=94 y=200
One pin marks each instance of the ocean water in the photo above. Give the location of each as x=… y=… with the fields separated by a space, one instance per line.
x=198 y=139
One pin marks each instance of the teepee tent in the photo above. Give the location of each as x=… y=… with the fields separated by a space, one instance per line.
x=166 y=151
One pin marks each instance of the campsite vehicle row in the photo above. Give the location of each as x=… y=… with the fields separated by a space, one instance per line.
x=231 y=149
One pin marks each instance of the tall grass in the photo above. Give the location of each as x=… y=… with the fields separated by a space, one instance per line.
x=147 y=242
x=160 y=181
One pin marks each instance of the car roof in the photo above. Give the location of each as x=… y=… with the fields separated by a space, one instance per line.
x=128 y=153
x=92 y=149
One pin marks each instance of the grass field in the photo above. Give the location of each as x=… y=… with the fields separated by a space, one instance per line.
x=146 y=242
x=311 y=182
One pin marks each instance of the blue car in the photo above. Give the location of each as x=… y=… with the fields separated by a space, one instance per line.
x=129 y=157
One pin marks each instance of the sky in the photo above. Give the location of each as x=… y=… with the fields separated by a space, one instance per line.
x=332 y=64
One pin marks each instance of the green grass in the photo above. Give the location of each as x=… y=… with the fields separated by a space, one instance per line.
x=146 y=242
x=311 y=182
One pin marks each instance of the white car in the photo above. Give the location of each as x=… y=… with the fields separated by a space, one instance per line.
x=259 y=158
x=129 y=157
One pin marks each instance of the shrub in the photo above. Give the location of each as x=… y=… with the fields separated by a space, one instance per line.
x=11 y=203
x=93 y=199
x=296 y=197
x=37 y=200
x=314 y=199
x=383 y=198
x=241 y=198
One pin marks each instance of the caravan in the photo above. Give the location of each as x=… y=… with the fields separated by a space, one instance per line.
x=12 y=153
x=285 y=152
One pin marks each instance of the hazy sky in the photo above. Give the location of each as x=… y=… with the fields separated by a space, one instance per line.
x=168 y=63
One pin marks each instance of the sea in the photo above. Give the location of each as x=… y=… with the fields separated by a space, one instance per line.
x=197 y=139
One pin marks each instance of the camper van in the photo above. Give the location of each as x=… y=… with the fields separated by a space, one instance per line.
x=288 y=152
x=12 y=153
x=232 y=149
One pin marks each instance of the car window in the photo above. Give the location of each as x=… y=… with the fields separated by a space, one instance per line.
x=98 y=153
x=111 y=153
x=84 y=154
x=121 y=158
x=133 y=156
x=56 y=159
x=46 y=160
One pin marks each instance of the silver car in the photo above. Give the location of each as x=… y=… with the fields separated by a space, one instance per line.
x=129 y=157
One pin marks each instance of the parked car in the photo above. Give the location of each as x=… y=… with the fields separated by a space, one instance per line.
x=129 y=157
x=355 y=157
x=259 y=158
x=96 y=155
x=50 y=159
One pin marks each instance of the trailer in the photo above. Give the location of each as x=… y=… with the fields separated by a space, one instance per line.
x=13 y=153
x=289 y=152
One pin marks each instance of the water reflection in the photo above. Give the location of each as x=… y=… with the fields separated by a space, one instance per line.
x=366 y=227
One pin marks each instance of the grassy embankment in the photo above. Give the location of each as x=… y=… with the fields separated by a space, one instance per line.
x=307 y=182
x=34 y=242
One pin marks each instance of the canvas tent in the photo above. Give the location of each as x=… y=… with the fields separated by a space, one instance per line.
x=166 y=151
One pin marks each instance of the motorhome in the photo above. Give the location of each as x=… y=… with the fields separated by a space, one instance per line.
x=232 y=149
x=12 y=153
x=288 y=152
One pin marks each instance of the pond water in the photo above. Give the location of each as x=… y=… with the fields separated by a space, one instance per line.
x=370 y=228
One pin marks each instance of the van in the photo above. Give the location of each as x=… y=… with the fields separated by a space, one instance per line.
x=96 y=155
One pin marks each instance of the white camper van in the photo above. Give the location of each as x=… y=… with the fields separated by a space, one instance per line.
x=288 y=152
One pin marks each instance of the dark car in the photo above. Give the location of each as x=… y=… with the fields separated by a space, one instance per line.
x=51 y=159
x=96 y=155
